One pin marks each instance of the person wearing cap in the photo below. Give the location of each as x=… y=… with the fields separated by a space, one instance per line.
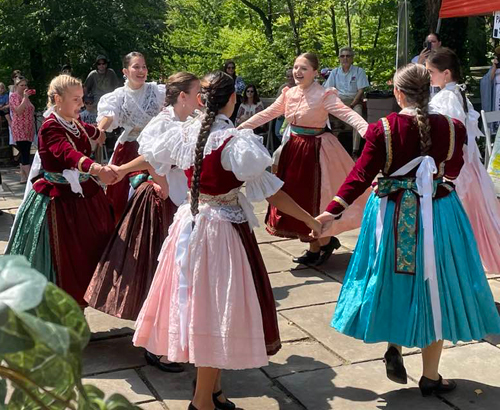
x=350 y=81
x=490 y=86
x=102 y=80
x=89 y=114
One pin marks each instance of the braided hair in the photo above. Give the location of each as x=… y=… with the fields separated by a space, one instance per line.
x=216 y=90
x=414 y=82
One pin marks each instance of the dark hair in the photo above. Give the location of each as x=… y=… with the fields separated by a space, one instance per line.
x=216 y=89
x=438 y=37
x=443 y=59
x=15 y=73
x=128 y=58
x=224 y=68
x=312 y=58
x=66 y=67
x=414 y=81
x=256 y=97
x=177 y=83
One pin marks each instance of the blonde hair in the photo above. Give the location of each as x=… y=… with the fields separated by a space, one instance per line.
x=59 y=85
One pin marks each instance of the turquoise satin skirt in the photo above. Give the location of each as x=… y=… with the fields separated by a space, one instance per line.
x=378 y=305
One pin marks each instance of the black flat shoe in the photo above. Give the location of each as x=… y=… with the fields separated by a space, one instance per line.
x=154 y=360
x=227 y=405
x=327 y=250
x=394 y=366
x=309 y=258
x=428 y=386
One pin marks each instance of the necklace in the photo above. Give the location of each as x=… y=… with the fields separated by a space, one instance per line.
x=68 y=125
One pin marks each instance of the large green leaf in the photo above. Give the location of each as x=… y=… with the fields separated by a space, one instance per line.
x=21 y=288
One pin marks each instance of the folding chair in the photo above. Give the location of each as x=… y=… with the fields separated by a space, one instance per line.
x=488 y=118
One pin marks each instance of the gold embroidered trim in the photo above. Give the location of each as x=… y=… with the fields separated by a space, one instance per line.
x=80 y=163
x=339 y=200
x=388 y=144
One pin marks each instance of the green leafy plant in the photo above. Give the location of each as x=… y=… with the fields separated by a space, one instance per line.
x=42 y=335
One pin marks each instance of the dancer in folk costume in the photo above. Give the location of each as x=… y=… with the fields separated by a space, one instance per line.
x=130 y=107
x=415 y=278
x=474 y=186
x=66 y=220
x=313 y=164
x=122 y=279
x=211 y=302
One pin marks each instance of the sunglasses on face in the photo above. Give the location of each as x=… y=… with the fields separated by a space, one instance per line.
x=250 y=91
x=230 y=67
x=102 y=64
x=346 y=56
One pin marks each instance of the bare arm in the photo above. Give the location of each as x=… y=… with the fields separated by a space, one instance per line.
x=105 y=123
x=286 y=204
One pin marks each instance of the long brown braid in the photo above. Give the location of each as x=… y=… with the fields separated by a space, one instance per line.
x=414 y=82
x=216 y=90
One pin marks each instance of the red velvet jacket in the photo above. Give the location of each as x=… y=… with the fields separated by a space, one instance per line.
x=60 y=150
x=214 y=179
x=387 y=155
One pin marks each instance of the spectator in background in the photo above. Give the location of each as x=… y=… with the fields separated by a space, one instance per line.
x=432 y=42
x=89 y=114
x=290 y=81
x=490 y=87
x=23 y=123
x=250 y=106
x=350 y=81
x=102 y=80
x=4 y=103
x=239 y=85
x=66 y=69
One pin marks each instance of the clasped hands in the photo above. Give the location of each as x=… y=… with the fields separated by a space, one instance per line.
x=322 y=223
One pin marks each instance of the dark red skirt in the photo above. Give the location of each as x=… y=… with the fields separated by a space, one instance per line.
x=80 y=228
x=123 y=277
x=299 y=169
x=263 y=288
x=118 y=193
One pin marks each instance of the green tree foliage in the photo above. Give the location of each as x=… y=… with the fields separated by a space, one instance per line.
x=42 y=335
x=39 y=36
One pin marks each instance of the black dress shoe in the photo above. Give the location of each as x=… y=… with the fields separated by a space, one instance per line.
x=429 y=386
x=154 y=360
x=227 y=405
x=394 y=366
x=309 y=258
x=327 y=250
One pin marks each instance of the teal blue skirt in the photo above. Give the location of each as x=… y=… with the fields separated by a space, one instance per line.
x=377 y=304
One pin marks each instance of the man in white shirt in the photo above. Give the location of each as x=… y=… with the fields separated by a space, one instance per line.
x=350 y=81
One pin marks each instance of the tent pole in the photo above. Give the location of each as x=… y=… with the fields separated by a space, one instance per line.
x=438 y=26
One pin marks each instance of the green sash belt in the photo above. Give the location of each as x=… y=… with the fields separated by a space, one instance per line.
x=405 y=218
x=313 y=132
x=57 y=177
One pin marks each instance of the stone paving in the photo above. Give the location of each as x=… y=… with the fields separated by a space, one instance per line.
x=317 y=368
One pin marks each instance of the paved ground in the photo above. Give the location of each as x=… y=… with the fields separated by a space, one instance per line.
x=317 y=369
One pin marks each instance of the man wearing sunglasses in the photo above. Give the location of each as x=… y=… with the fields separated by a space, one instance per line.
x=350 y=81
x=102 y=80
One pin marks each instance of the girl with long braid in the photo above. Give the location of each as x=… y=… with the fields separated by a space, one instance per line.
x=211 y=302
x=474 y=186
x=415 y=278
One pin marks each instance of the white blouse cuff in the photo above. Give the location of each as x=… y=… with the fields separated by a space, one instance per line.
x=263 y=187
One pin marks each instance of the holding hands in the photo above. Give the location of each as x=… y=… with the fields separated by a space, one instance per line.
x=102 y=137
x=325 y=221
x=107 y=174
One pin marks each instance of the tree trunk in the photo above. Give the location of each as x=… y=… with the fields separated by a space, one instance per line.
x=296 y=36
x=334 y=30
x=377 y=33
x=348 y=23
x=266 y=18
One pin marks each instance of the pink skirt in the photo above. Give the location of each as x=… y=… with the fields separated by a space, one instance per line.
x=477 y=193
x=225 y=328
